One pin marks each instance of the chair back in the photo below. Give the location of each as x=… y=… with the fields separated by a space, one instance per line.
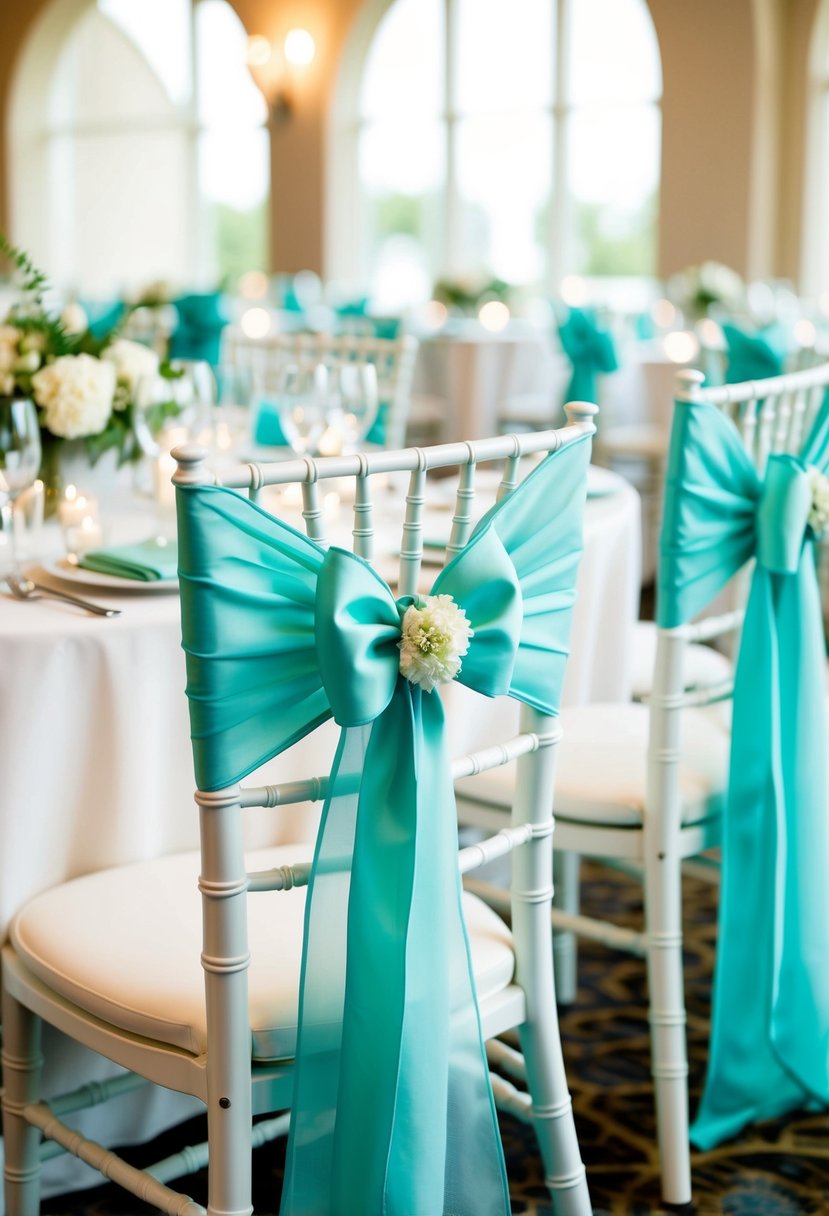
x=393 y=358
x=283 y=630
x=747 y=495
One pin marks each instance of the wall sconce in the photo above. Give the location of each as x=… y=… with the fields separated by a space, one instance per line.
x=274 y=67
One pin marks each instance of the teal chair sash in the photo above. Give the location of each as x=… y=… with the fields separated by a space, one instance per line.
x=198 y=334
x=393 y=1110
x=591 y=350
x=754 y=355
x=769 y=1048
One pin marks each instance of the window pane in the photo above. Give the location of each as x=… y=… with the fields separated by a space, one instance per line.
x=503 y=63
x=613 y=54
x=401 y=167
x=118 y=229
x=103 y=77
x=227 y=94
x=613 y=174
x=234 y=185
x=503 y=179
x=404 y=68
x=161 y=31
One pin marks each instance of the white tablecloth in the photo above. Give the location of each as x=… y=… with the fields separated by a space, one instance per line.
x=95 y=762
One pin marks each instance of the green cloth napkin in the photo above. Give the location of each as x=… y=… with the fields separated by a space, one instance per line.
x=146 y=560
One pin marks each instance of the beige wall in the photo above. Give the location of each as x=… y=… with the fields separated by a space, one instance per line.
x=733 y=143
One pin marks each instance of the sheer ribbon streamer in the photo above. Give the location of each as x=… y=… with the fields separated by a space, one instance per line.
x=393 y=1111
x=769 y=1048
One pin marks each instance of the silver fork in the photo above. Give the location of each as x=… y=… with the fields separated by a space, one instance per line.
x=24 y=589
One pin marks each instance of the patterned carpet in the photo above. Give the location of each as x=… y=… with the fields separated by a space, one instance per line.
x=778 y=1169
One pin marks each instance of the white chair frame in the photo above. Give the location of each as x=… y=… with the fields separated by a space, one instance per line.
x=771 y=415
x=394 y=359
x=224 y=1078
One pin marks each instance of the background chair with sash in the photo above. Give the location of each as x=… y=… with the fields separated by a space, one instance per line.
x=268 y=358
x=370 y=1023
x=647 y=786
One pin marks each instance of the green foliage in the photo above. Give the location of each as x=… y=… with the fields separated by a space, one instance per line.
x=34 y=281
x=607 y=250
x=241 y=240
x=399 y=213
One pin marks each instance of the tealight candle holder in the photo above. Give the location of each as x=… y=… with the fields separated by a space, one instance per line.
x=83 y=533
x=75 y=506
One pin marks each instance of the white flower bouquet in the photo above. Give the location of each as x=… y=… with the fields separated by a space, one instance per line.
x=83 y=385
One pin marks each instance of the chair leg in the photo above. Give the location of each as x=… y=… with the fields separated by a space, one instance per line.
x=669 y=1059
x=552 y=1109
x=22 y=1066
x=566 y=879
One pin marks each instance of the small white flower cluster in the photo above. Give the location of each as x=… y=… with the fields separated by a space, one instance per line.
x=19 y=352
x=819 y=514
x=76 y=392
x=132 y=362
x=435 y=635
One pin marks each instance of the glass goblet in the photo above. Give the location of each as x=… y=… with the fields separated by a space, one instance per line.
x=20 y=455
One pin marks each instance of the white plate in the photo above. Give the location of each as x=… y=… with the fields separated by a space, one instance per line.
x=69 y=573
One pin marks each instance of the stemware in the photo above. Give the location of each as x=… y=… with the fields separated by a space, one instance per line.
x=234 y=398
x=304 y=403
x=183 y=397
x=20 y=455
x=355 y=404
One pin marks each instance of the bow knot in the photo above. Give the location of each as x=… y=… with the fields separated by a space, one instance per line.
x=783 y=514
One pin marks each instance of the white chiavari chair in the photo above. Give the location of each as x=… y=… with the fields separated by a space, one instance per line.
x=643 y=785
x=393 y=360
x=113 y=958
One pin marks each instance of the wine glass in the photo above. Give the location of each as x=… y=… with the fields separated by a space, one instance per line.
x=355 y=403
x=178 y=400
x=234 y=398
x=20 y=454
x=303 y=403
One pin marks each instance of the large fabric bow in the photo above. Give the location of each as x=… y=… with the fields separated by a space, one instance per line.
x=393 y=1110
x=754 y=356
x=591 y=350
x=769 y=1048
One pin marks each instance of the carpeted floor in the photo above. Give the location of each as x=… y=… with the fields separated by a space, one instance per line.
x=780 y=1168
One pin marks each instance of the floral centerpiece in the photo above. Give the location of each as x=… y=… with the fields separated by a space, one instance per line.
x=467 y=294
x=84 y=386
x=710 y=285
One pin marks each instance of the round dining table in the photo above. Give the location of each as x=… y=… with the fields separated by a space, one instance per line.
x=95 y=760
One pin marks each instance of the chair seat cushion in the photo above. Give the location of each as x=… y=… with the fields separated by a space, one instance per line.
x=125 y=945
x=601 y=767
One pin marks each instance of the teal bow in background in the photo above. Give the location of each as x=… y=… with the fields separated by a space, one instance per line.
x=769 y=1049
x=198 y=334
x=754 y=355
x=591 y=350
x=392 y=1110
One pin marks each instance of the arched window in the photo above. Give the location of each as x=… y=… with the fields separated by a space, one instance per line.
x=524 y=145
x=814 y=277
x=139 y=146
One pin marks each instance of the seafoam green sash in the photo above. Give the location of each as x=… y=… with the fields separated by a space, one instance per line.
x=770 y=1017
x=393 y=1111
x=591 y=350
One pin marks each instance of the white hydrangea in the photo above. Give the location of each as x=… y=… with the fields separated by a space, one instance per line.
x=435 y=635
x=9 y=338
x=819 y=514
x=132 y=361
x=74 y=319
x=76 y=394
